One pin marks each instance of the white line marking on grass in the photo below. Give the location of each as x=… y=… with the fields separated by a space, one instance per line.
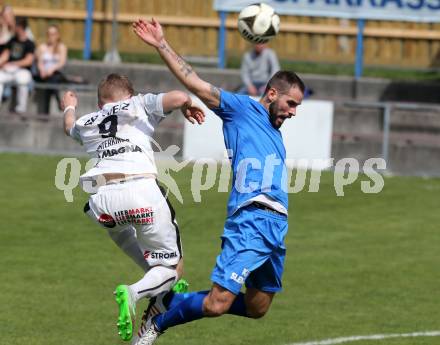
x=369 y=337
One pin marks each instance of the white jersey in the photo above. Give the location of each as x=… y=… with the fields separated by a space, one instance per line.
x=118 y=136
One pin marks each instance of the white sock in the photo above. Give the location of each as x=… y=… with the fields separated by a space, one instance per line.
x=158 y=279
x=127 y=241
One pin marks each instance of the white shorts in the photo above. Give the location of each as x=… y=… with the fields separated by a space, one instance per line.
x=141 y=204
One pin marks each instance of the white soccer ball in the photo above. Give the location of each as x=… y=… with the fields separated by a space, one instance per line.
x=258 y=23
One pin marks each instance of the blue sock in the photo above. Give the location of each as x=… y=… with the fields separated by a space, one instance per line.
x=238 y=307
x=172 y=298
x=186 y=307
x=189 y=309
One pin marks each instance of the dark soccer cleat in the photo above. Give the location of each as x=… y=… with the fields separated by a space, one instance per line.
x=155 y=307
x=150 y=336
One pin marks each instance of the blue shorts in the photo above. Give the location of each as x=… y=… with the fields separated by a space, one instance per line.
x=253 y=251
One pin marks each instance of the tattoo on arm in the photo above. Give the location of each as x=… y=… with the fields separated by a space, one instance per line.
x=215 y=91
x=184 y=67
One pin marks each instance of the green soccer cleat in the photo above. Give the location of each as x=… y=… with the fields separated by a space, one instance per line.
x=181 y=286
x=127 y=312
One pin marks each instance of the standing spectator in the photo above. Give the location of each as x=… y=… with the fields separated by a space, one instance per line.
x=51 y=58
x=257 y=67
x=15 y=63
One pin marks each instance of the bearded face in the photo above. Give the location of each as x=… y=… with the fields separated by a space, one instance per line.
x=284 y=106
x=276 y=119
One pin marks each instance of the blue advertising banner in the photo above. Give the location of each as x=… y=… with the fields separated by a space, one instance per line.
x=402 y=10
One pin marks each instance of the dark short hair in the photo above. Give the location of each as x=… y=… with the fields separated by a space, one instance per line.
x=21 y=22
x=113 y=84
x=283 y=81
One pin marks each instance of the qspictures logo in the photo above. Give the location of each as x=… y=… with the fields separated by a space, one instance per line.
x=208 y=174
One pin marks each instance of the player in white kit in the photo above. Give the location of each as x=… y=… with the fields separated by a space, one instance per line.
x=128 y=201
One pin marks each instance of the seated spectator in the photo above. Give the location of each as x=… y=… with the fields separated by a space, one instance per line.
x=7 y=26
x=51 y=58
x=257 y=67
x=15 y=64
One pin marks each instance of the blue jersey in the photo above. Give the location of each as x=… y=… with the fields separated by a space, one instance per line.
x=255 y=148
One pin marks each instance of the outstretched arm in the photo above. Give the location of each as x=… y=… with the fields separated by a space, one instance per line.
x=151 y=33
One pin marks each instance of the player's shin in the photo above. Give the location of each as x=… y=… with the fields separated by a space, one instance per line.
x=186 y=307
x=189 y=309
x=157 y=280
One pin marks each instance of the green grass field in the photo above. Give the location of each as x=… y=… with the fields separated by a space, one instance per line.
x=360 y=264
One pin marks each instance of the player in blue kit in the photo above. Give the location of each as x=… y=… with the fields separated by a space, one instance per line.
x=253 y=239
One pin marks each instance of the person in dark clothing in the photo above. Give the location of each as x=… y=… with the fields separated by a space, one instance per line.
x=15 y=63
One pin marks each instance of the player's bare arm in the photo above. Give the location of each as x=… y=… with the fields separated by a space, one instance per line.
x=151 y=33
x=69 y=103
x=181 y=100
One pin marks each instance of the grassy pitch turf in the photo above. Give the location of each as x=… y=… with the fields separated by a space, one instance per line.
x=360 y=264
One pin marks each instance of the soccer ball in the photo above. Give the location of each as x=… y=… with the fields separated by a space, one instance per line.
x=258 y=23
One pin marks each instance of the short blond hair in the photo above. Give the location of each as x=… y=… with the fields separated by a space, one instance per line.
x=113 y=87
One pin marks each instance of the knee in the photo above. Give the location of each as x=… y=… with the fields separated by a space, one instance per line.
x=23 y=77
x=257 y=311
x=214 y=308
